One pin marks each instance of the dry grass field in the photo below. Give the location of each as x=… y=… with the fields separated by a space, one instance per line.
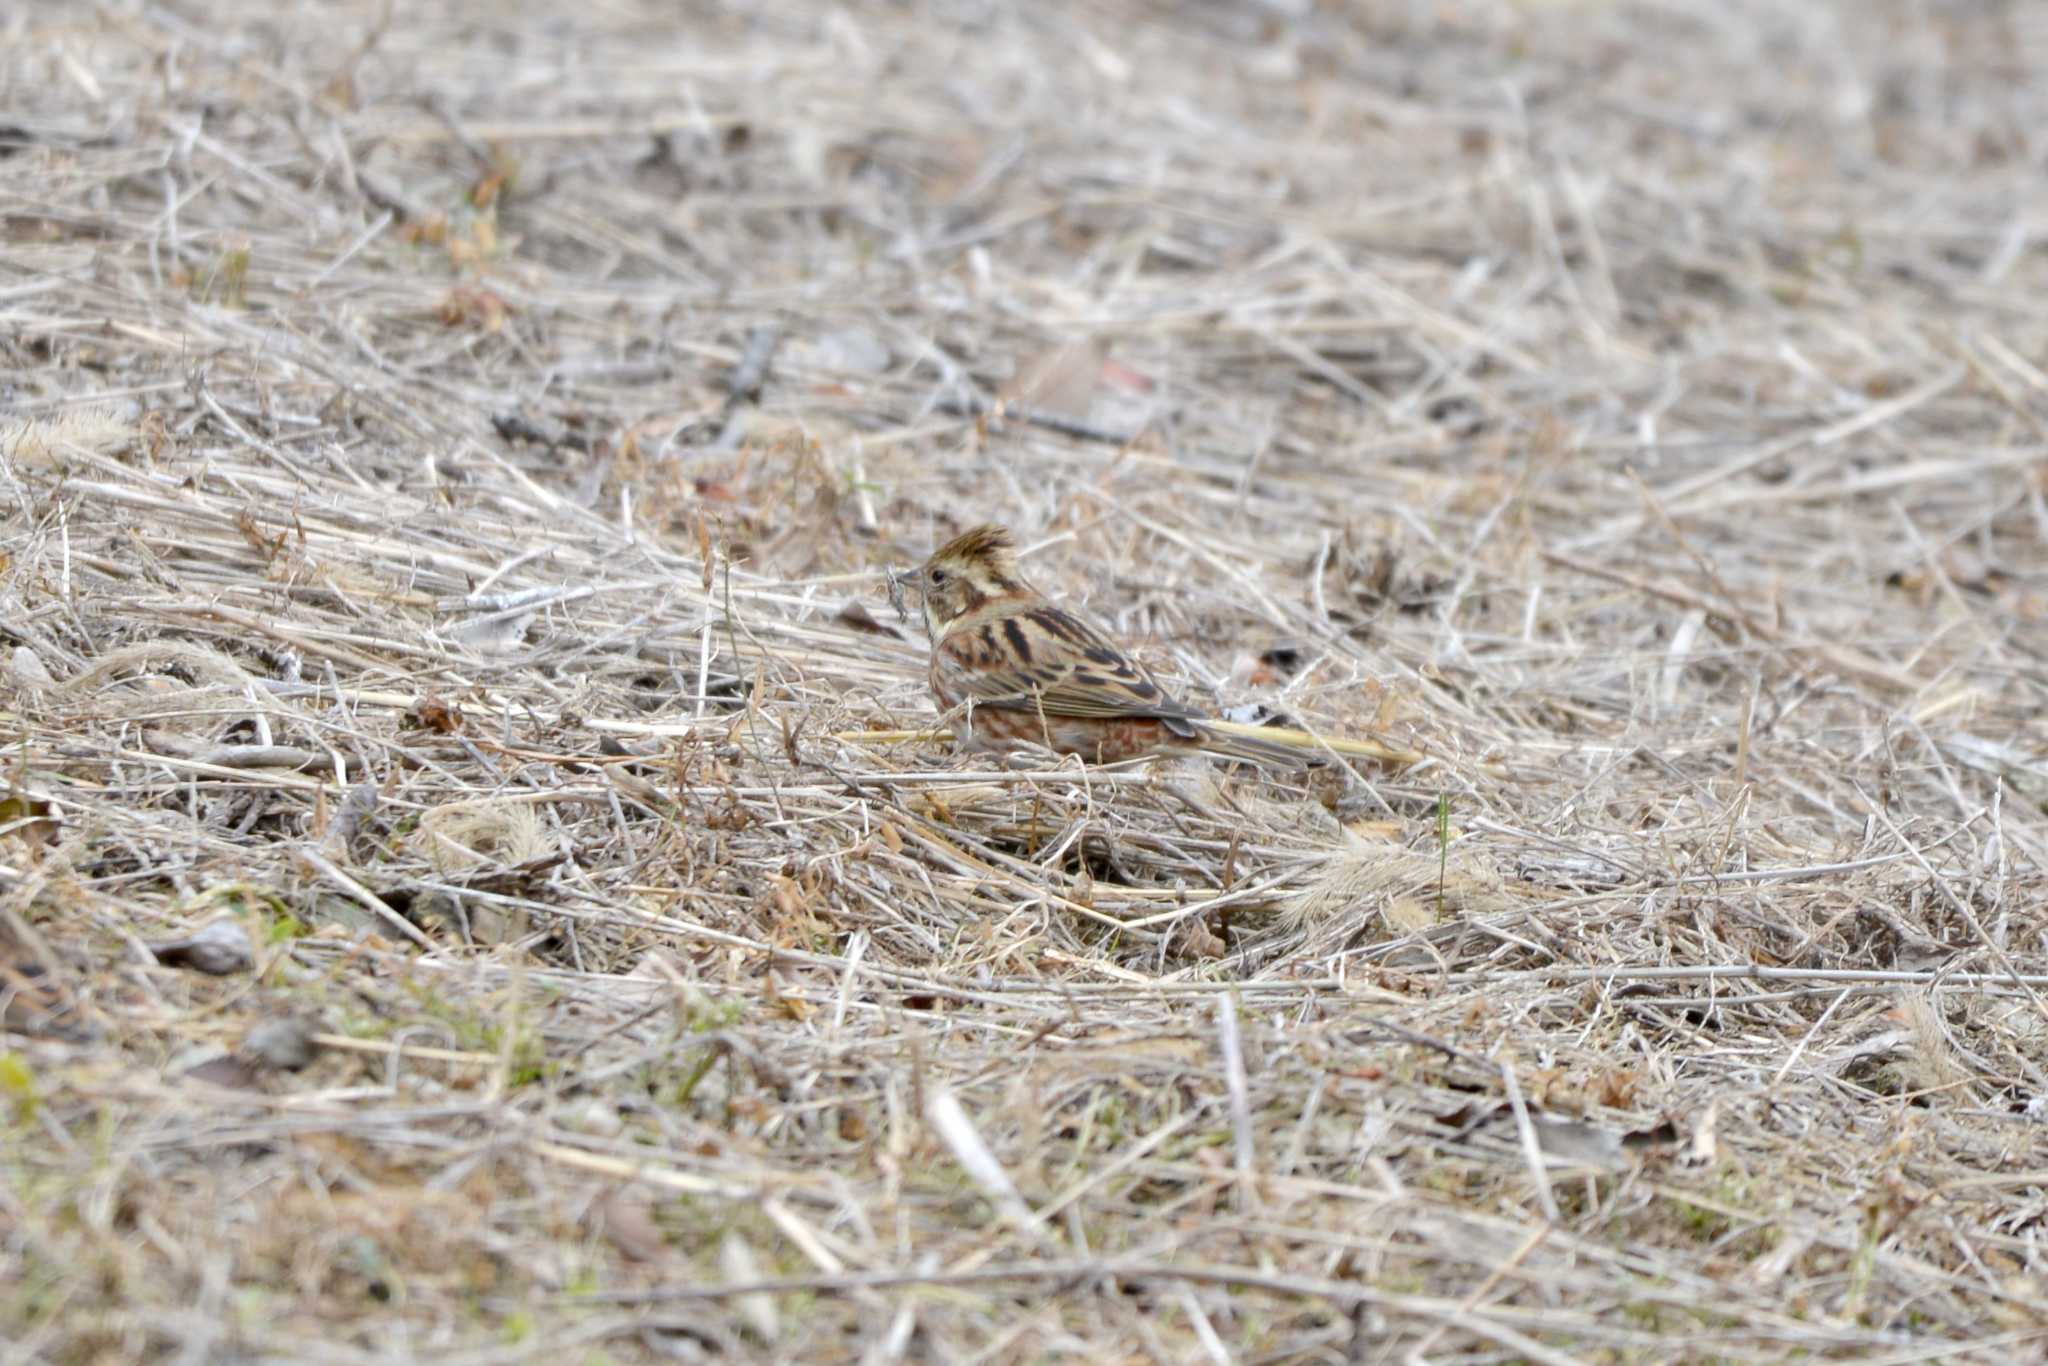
x=476 y=880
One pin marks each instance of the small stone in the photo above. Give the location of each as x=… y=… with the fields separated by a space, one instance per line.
x=218 y=949
x=284 y=1043
x=29 y=669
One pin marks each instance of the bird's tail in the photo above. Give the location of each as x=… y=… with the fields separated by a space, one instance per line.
x=1268 y=753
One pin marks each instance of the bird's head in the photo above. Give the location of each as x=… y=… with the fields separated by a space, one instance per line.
x=973 y=568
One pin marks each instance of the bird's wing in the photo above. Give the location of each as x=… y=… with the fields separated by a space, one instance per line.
x=1046 y=660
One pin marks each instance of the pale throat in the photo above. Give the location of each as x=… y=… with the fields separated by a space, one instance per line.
x=970 y=595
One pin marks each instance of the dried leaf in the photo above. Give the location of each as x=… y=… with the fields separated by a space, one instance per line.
x=856 y=615
x=432 y=713
x=1615 y=1087
x=486 y=191
x=227 y=1070
x=1203 y=942
x=1061 y=381
x=472 y=305
x=626 y=1218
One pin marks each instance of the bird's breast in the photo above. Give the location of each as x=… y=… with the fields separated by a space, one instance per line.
x=940 y=674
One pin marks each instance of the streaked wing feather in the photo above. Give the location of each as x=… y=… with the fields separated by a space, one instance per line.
x=1091 y=679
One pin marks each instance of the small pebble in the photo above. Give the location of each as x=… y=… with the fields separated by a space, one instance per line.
x=285 y=1043
x=218 y=949
x=29 y=670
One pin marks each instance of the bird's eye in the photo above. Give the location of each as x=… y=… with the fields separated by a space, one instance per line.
x=938 y=576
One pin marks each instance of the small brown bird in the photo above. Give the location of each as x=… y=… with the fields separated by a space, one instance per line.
x=1024 y=671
